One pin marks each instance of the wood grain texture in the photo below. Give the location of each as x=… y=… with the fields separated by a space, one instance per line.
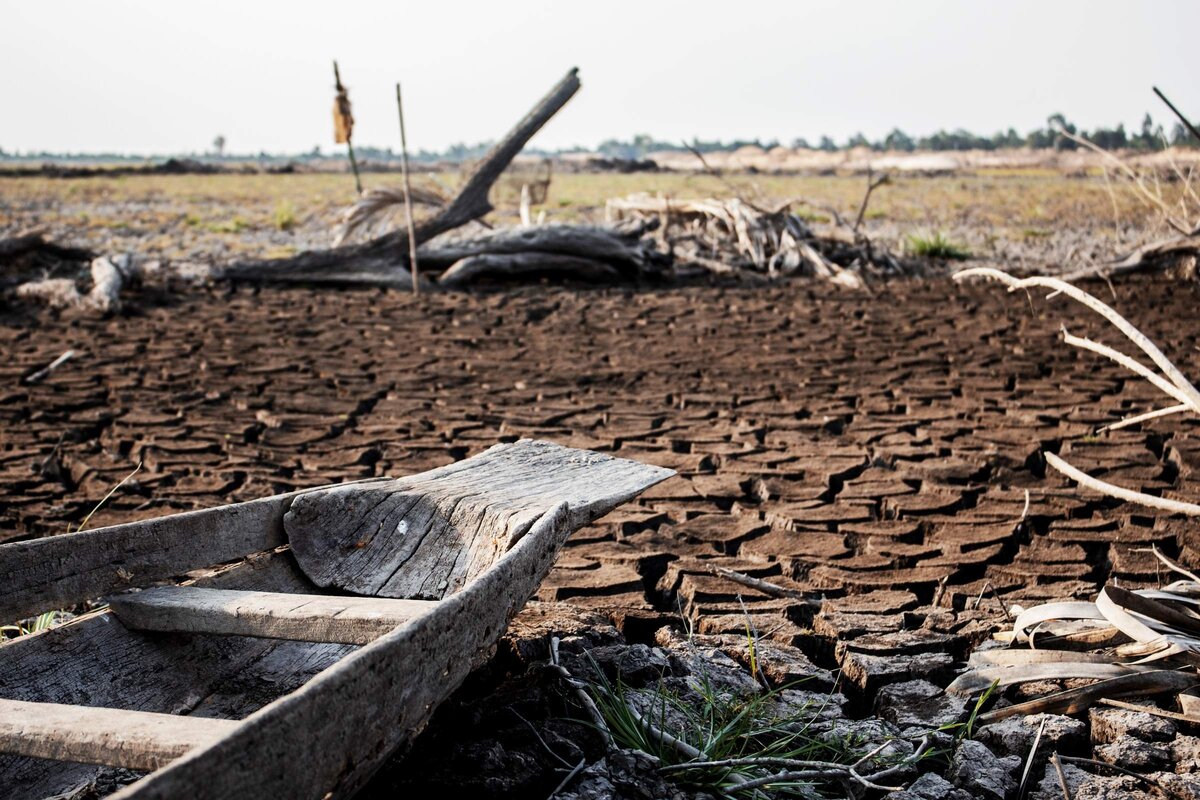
x=113 y=737
x=273 y=615
x=388 y=688
x=425 y=537
x=96 y=661
x=60 y=571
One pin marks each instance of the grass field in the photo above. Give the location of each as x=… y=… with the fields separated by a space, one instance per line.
x=200 y=216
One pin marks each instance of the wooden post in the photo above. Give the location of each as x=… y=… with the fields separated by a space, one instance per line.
x=408 y=211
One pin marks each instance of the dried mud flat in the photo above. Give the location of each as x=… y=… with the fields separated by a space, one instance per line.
x=871 y=448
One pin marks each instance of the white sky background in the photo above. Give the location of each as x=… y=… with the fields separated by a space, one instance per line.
x=165 y=77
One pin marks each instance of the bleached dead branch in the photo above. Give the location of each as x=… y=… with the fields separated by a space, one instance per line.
x=1170 y=382
x=1186 y=391
x=109 y=276
x=1112 y=490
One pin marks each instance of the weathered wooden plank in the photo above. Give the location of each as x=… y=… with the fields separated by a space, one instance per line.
x=427 y=536
x=388 y=688
x=108 y=736
x=273 y=615
x=60 y=571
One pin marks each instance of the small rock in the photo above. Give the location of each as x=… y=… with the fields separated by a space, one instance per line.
x=863 y=735
x=1014 y=736
x=1087 y=785
x=634 y=664
x=930 y=787
x=626 y=775
x=1110 y=724
x=919 y=704
x=1185 y=752
x=977 y=770
x=1131 y=753
x=707 y=667
x=801 y=707
x=1178 y=787
x=870 y=673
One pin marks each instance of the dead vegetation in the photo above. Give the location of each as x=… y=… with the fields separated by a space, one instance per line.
x=1173 y=244
x=1126 y=643
x=693 y=238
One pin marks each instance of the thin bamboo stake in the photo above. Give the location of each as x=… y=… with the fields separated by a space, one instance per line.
x=408 y=209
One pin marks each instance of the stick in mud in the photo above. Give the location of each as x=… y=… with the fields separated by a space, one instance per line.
x=41 y=374
x=408 y=210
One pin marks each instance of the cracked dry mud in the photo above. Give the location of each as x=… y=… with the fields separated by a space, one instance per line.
x=872 y=450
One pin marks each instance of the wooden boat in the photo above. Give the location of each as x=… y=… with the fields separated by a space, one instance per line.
x=341 y=617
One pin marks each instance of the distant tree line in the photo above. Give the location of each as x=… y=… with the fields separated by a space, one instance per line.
x=1151 y=136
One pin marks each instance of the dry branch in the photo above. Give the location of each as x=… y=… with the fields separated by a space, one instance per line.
x=109 y=276
x=751 y=239
x=382 y=260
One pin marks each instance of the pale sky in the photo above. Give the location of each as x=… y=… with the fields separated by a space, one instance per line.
x=166 y=77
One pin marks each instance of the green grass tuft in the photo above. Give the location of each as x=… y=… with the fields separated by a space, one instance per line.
x=720 y=726
x=935 y=245
x=284 y=215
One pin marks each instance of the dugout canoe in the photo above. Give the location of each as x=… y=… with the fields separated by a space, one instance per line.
x=282 y=647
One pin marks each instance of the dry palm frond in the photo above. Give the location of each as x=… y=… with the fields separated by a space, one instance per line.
x=375 y=202
x=343 y=119
x=1160 y=629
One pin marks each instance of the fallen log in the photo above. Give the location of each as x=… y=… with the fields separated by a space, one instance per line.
x=386 y=256
x=507 y=265
x=1182 y=250
x=622 y=250
x=34 y=243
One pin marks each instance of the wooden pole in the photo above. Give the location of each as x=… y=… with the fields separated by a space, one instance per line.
x=354 y=167
x=1187 y=124
x=408 y=211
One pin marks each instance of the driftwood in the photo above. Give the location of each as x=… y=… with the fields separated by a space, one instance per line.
x=109 y=276
x=1181 y=253
x=387 y=255
x=724 y=236
x=621 y=250
x=514 y=265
